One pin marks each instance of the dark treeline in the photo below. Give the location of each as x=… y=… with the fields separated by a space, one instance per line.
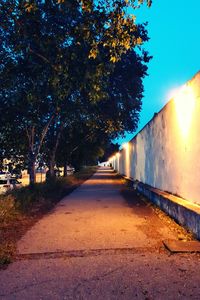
x=71 y=79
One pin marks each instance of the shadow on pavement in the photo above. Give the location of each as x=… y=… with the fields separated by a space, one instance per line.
x=134 y=200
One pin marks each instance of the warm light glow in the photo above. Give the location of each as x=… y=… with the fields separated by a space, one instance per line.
x=185 y=104
x=111 y=159
x=117 y=161
x=127 y=159
x=124 y=146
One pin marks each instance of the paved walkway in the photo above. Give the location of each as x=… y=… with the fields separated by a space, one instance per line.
x=96 y=244
x=95 y=216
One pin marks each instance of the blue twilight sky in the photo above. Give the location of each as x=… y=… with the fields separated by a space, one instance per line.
x=174 y=31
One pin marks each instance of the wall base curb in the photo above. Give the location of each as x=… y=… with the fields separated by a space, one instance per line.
x=182 y=211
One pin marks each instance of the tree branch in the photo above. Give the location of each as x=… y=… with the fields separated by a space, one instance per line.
x=44 y=132
x=32 y=137
x=28 y=136
x=84 y=140
x=43 y=58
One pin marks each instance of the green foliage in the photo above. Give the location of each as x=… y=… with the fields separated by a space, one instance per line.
x=28 y=196
x=7 y=208
x=5 y=256
x=110 y=149
x=70 y=77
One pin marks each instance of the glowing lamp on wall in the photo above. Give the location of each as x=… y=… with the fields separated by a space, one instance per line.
x=127 y=169
x=111 y=159
x=125 y=146
x=185 y=104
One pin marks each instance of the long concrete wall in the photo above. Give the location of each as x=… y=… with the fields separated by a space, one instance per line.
x=165 y=154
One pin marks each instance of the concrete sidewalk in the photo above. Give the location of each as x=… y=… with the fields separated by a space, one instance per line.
x=95 y=216
x=98 y=245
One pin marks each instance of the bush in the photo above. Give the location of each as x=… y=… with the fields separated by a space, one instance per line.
x=28 y=196
x=6 y=251
x=7 y=208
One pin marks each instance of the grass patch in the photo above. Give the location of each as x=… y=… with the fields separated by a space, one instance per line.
x=84 y=173
x=20 y=209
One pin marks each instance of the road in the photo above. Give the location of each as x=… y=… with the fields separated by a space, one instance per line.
x=101 y=242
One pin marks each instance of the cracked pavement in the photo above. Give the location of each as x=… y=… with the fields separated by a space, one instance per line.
x=96 y=244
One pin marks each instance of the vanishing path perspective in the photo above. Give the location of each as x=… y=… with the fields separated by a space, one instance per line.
x=100 y=242
x=95 y=216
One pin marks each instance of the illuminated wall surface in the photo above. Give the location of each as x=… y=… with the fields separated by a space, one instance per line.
x=166 y=152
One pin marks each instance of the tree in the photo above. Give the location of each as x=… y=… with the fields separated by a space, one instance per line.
x=59 y=63
x=36 y=38
x=110 y=150
x=106 y=119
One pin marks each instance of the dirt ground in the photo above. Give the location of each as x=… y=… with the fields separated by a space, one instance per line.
x=103 y=241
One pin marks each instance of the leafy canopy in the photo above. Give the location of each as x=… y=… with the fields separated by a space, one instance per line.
x=68 y=65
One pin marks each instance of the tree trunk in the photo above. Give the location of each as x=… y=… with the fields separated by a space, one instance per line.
x=32 y=175
x=52 y=160
x=52 y=166
x=65 y=169
x=35 y=150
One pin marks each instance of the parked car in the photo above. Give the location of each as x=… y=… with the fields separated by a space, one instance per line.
x=5 y=175
x=9 y=184
x=70 y=170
